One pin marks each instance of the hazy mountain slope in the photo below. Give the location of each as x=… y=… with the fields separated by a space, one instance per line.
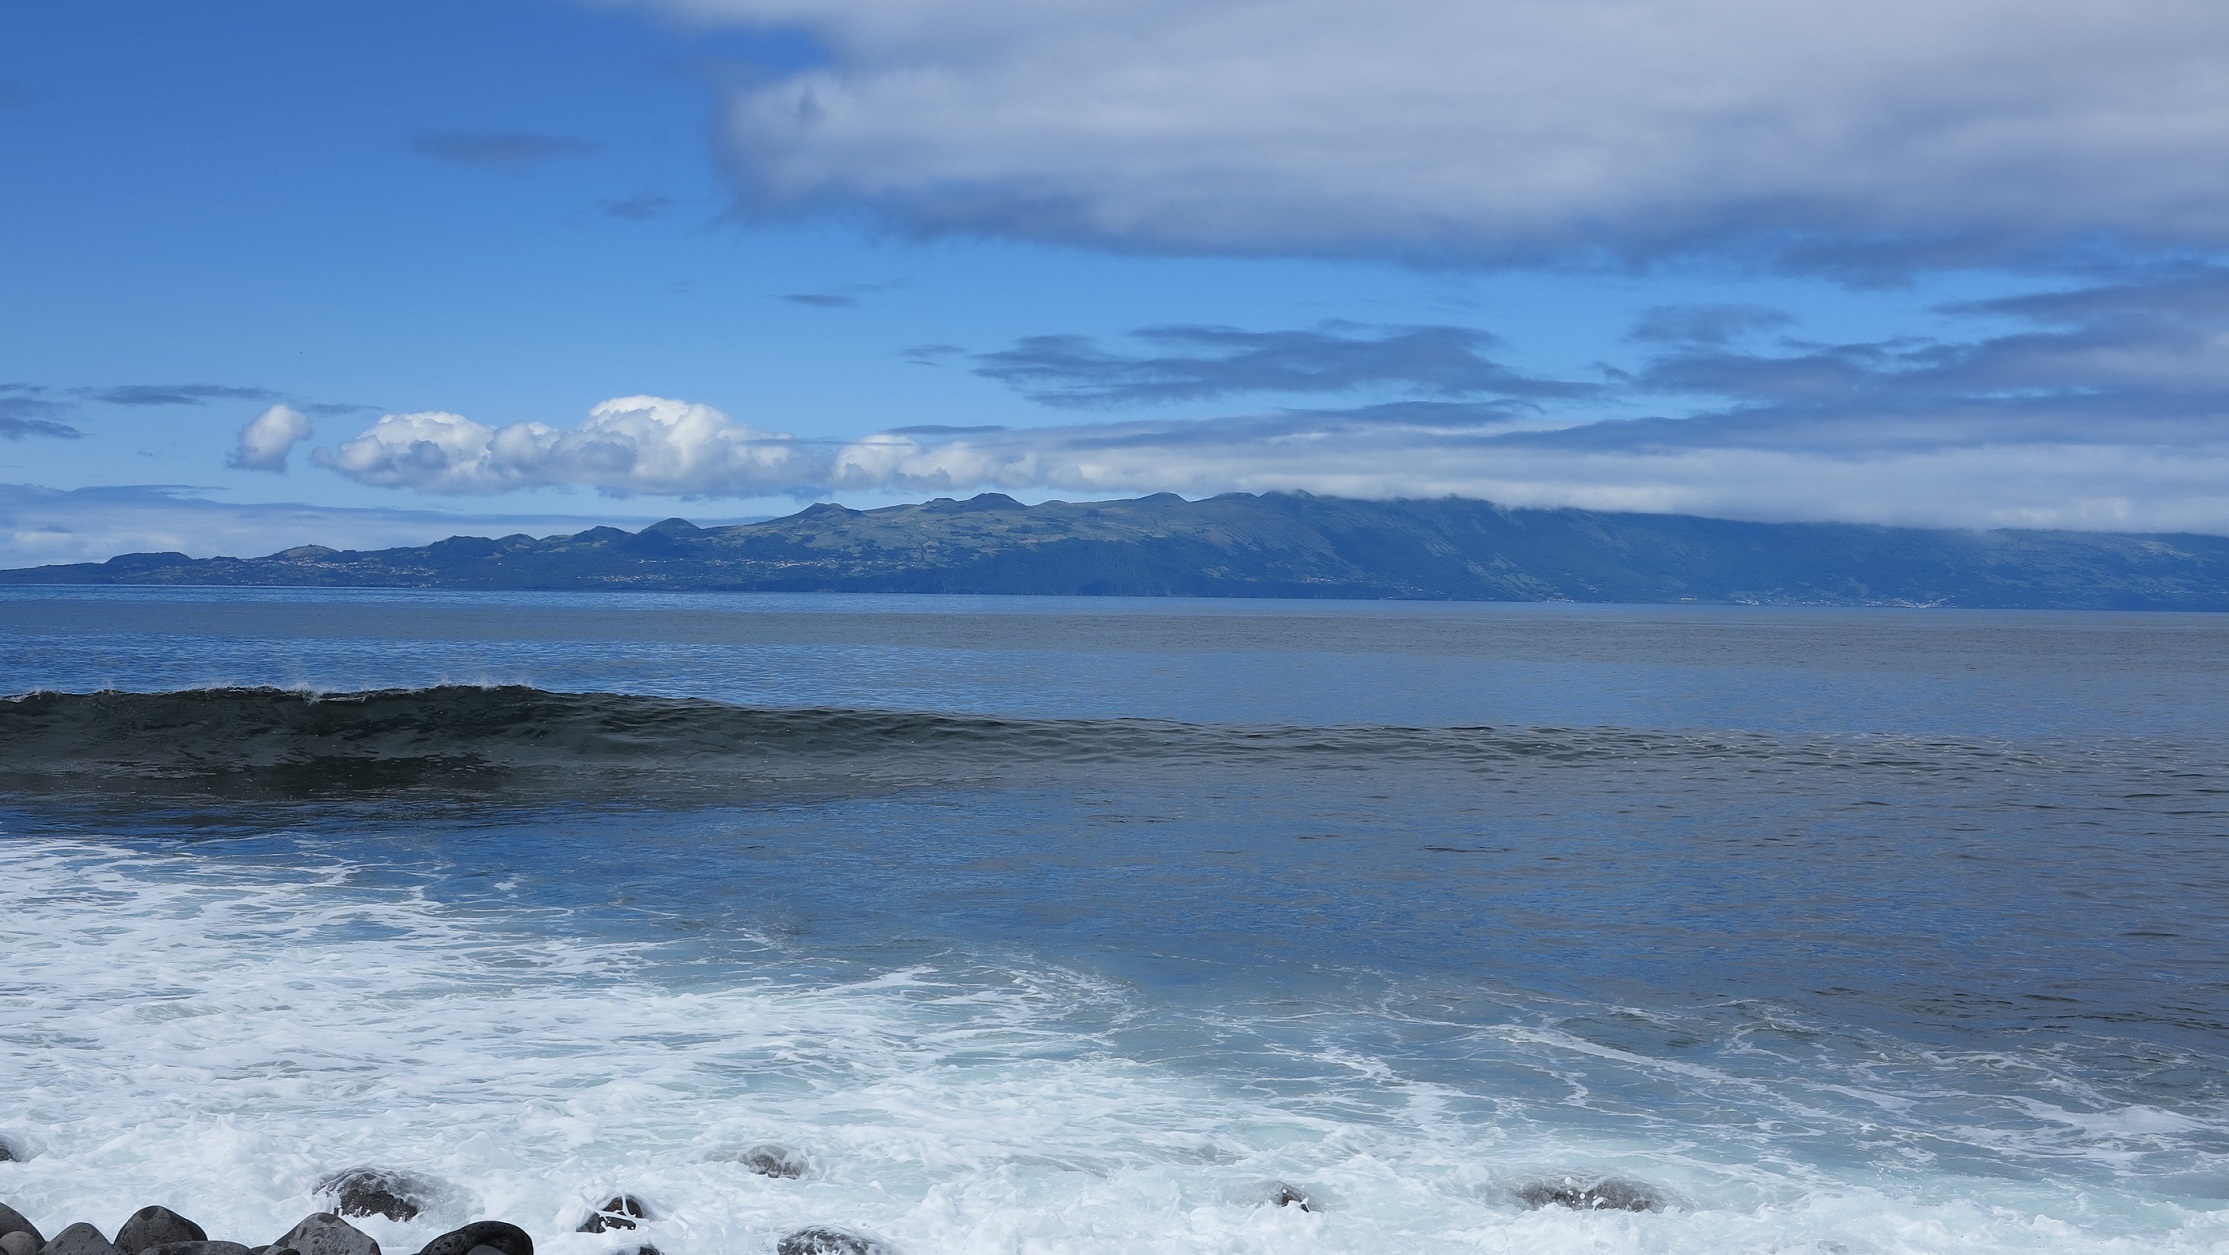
x=1278 y=545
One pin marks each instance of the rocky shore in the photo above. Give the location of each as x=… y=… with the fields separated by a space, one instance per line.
x=398 y=1196
x=403 y=1196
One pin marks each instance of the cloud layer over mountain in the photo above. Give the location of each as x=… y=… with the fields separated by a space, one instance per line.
x=45 y=525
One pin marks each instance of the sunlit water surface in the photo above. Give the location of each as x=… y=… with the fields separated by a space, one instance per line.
x=1844 y=931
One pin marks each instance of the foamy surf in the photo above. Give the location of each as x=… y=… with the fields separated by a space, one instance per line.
x=216 y=1034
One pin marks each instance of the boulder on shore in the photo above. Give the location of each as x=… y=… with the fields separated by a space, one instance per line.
x=196 y=1248
x=385 y=1192
x=771 y=1160
x=621 y=1212
x=824 y=1241
x=79 y=1239
x=19 y=1243
x=323 y=1233
x=501 y=1238
x=151 y=1227
x=13 y=1221
x=1597 y=1194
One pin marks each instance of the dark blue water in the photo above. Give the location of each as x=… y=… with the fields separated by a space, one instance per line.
x=1850 y=930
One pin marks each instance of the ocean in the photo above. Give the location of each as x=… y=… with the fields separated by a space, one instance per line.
x=1037 y=925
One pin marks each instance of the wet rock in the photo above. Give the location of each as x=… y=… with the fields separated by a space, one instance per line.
x=770 y=1160
x=496 y=1237
x=13 y=1221
x=1280 y=1194
x=1596 y=1194
x=78 y=1239
x=620 y=1212
x=276 y=1249
x=19 y=1243
x=10 y=1152
x=196 y=1248
x=151 y=1227
x=380 y=1192
x=323 y=1233
x=823 y=1241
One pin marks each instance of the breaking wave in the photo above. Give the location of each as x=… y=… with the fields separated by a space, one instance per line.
x=513 y=735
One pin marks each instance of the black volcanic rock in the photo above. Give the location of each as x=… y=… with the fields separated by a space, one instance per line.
x=1274 y=545
x=79 y=1239
x=385 y=1192
x=323 y=1233
x=824 y=1241
x=1599 y=1194
x=19 y=1243
x=620 y=1212
x=505 y=1239
x=770 y=1160
x=197 y=1248
x=13 y=1221
x=156 y=1226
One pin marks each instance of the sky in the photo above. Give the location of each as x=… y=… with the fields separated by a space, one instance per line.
x=369 y=273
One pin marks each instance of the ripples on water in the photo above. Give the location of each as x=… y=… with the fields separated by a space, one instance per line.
x=1059 y=926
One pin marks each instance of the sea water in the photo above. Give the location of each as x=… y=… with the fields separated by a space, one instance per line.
x=1050 y=925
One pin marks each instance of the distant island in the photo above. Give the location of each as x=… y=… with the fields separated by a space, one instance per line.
x=1270 y=545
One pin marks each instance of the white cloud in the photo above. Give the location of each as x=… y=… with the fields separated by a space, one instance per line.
x=46 y=525
x=269 y=438
x=1976 y=129
x=628 y=445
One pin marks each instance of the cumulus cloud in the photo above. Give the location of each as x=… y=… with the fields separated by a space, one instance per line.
x=1203 y=362
x=2105 y=406
x=1835 y=135
x=628 y=445
x=269 y=438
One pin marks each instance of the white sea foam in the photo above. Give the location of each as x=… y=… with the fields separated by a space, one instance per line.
x=212 y=1034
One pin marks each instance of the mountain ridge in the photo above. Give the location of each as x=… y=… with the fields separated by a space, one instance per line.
x=1271 y=545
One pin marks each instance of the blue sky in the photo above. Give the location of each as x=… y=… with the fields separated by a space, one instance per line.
x=462 y=267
